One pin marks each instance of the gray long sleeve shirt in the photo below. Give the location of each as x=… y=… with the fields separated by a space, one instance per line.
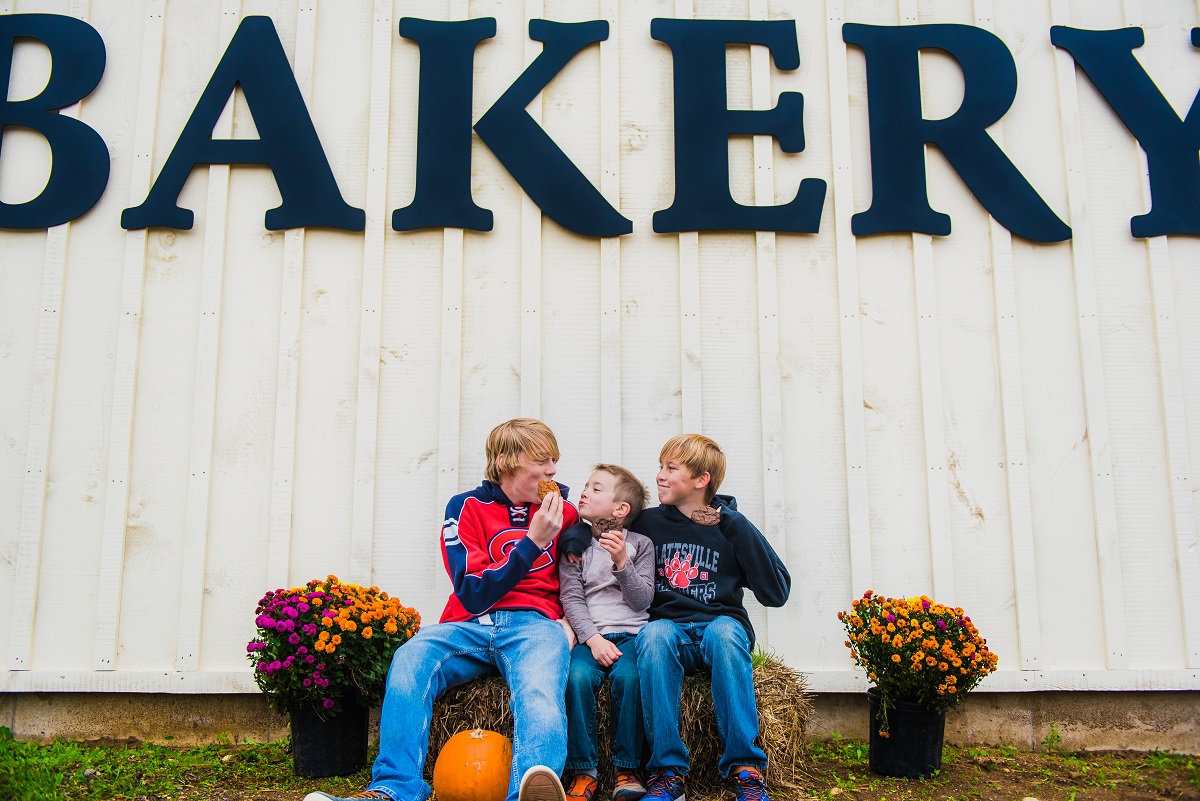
x=599 y=599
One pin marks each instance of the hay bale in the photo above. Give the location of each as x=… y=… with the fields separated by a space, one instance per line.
x=784 y=709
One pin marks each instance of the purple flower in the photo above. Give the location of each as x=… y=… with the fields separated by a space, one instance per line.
x=262 y=666
x=941 y=624
x=321 y=666
x=309 y=628
x=276 y=665
x=295 y=638
x=291 y=612
x=891 y=618
x=925 y=604
x=303 y=607
x=307 y=682
x=316 y=674
x=282 y=625
x=308 y=660
x=327 y=703
x=302 y=650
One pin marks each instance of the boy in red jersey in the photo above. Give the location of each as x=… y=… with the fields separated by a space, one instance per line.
x=499 y=545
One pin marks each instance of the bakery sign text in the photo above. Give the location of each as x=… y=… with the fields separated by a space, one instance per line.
x=288 y=143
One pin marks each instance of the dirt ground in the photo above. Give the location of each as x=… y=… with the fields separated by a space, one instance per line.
x=841 y=771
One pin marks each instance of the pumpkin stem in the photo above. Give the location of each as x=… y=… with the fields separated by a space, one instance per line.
x=477 y=734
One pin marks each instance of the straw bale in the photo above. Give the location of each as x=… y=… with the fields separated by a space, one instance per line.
x=784 y=709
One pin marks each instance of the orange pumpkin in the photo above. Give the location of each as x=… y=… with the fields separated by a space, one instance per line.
x=473 y=766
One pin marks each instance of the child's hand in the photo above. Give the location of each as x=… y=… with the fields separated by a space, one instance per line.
x=547 y=521
x=574 y=558
x=603 y=651
x=614 y=543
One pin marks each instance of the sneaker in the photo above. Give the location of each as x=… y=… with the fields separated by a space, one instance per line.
x=626 y=786
x=582 y=788
x=366 y=795
x=750 y=786
x=665 y=785
x=541 y=784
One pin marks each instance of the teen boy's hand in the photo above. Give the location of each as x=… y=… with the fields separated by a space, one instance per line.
x=602 y=650
x=614 y=543
x=547 y=521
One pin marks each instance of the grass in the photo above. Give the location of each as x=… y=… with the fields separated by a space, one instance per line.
x=838 y=769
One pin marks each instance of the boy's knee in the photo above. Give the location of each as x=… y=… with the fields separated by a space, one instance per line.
x=725 y=638
x=656 y=637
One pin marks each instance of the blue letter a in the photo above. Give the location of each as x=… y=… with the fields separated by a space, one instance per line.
x=288 y=142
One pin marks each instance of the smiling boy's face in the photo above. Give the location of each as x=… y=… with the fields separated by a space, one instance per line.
x=598 y=498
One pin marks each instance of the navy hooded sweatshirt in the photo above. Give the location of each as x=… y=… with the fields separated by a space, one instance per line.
x=701 y=571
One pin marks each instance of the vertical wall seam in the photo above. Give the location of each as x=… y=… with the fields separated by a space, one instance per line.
x=929 y=358
x=120 y=436
x=1016 y=470
x=450 y=376
x=1175 y=427
x=204 y=400
x=850 y=334
x=770 y=397
x=27 y=568
x=531 y=257
x=283 y=459
x=1092 y=367
x=366 y=444
x=690 y=346
x=610 y=246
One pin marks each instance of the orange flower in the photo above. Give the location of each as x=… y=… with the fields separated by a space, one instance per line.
x=366 y=632
x=336 y=639
x=895 y=657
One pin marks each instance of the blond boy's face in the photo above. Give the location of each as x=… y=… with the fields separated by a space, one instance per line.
x=677 y=486
x=521 y=485
x=598 y=498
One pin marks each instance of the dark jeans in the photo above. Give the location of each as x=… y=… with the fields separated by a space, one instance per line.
x=583 y=680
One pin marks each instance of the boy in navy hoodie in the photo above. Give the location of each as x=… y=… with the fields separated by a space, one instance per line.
x=706 y=554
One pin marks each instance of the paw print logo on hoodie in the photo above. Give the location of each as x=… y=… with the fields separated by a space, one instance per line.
x=681 y=573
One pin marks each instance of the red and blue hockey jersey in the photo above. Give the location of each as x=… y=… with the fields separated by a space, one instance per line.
x=492 y=562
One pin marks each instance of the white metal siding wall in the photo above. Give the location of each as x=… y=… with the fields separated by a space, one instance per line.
x=190 y=418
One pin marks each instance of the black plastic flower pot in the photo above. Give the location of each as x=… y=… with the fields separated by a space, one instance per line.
x=913 y=747
x=333 y=746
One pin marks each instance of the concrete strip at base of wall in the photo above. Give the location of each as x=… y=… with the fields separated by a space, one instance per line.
x=1139 y=721
x=1086 y=720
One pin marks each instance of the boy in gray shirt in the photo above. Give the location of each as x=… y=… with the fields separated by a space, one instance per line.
x=607 y=583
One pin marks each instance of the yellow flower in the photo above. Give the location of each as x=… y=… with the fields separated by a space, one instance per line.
x=942 y=666
x=895 y=657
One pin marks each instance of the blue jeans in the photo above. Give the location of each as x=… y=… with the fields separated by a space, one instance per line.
x=531 y=653
x=582 y=682
x=666 y=651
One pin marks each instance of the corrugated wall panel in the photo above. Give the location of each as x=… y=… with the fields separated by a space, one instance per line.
x=267 y=445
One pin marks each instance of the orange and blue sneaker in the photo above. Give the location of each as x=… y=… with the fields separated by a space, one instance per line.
x=665 y=785
x=750 y=786
x=583 y=787
x=626 y=786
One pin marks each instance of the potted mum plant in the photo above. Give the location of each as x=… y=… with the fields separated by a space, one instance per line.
x=923 y=658
x=321 y=656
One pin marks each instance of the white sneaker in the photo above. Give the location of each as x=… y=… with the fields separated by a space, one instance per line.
x=541 y=784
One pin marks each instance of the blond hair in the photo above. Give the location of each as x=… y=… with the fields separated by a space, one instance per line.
x=627 y=490
x=699 y=455
x=517 y=437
